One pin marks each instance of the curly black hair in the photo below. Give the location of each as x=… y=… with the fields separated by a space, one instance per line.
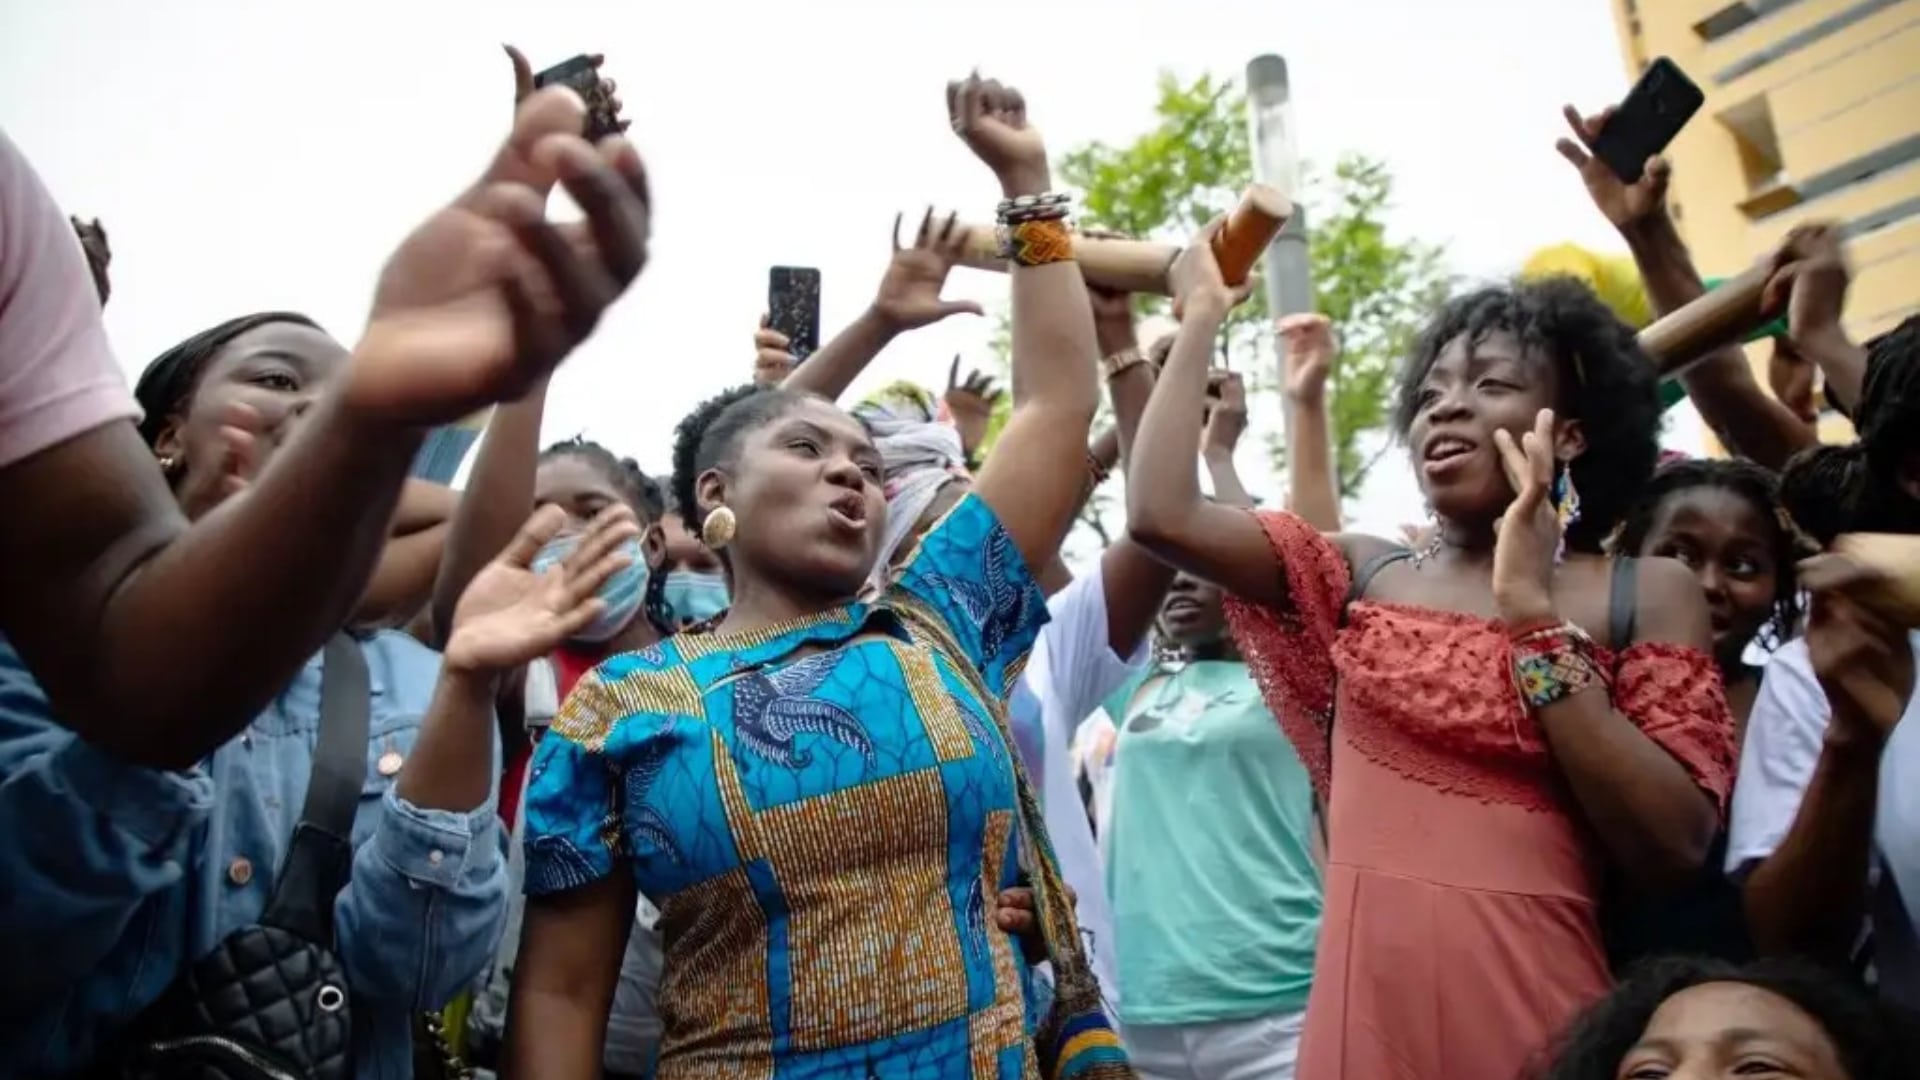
x=1888 y=413
x=1821 y=489
x=1604 y=379
x=1761 y=489
x=1873 y=1040
x=709 y=437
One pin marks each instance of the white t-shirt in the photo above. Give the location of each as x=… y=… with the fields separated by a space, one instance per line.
x=1071 y=671
x=1785 y=734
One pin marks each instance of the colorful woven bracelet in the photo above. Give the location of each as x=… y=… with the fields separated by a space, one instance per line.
x=1037 y=243
x=1553 y=663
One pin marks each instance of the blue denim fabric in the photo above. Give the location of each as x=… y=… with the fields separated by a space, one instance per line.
x=114 y=877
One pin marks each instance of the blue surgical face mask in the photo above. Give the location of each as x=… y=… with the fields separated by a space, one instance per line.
x=693 y=596
x=624 y=593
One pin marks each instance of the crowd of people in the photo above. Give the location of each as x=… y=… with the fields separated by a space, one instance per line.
x=815 y=758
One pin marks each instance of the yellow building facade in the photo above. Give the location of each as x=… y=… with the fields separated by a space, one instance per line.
x=1812 y=114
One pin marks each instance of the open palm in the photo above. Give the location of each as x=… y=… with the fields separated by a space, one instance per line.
x=1623 y=204
x=909 y=293
x=511 y=614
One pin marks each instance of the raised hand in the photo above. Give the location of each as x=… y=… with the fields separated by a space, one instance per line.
x=487 y=296
x=1196 y=273
x=1226 y=412
x=772 y=363
x=1308 y=351
x=970 y=402
x=909 y=293
x=603 y=106
x=1862 y=657
x=1528 y=534
x=511 y=615
x=248 y=433
x=1625 y=205
x=992 y=120
x=1810 y=277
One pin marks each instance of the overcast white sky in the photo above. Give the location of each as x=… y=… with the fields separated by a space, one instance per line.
x=252 y=155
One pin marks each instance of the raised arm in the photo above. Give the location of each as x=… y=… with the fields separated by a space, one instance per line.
x=1166 y=513
x=1036 y=475
x=1732 y=402
x=1811 y=280
x=495 y=504
x=1135 y=582
x=908 y=299
x=158 y=642
x=1626 y=749
x=1313 y=491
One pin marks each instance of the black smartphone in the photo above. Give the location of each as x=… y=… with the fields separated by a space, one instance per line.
x=793 y=308
x=1655 y=110
x=582 y=77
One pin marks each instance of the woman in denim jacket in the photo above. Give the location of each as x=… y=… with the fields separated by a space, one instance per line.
x=116 y=877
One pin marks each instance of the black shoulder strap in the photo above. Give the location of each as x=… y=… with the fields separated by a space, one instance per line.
x=1623 y=596
x=1364 y=576
x=320 y=855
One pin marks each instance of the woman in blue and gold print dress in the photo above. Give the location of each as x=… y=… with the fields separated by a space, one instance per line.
x=818 y=794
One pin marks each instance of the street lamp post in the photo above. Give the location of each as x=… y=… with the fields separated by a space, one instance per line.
x=1276 y=161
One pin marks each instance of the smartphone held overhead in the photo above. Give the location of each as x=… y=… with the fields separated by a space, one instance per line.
x=1654 y=111
x=582 y=75
x=793 y=308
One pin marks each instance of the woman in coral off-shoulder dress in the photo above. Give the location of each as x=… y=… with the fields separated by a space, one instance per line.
x=1487 y=751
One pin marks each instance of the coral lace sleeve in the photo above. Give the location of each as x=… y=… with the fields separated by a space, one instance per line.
x=1674 y=694
x=1290 y=650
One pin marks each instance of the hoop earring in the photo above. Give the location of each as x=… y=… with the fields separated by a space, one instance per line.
x=718 y=527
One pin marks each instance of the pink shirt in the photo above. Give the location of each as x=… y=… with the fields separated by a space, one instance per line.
x=58 y=378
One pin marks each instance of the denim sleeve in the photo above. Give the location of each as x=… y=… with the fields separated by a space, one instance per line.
x=421 y=917
x=89 y=840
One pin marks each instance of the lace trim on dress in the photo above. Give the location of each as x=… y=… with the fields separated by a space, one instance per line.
x=1430 y=694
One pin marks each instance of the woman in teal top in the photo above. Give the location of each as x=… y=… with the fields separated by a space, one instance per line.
x=819 y=794
x=1210 y=863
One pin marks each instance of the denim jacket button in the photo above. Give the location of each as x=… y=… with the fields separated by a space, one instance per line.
x=240 y=871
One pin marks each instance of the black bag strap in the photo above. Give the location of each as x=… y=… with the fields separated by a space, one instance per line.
x=1623 y=597
x=1369 y=570
x=320 y=855
x=1362 y=578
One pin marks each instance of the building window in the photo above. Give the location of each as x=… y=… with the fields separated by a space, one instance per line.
x=1736 y=15
x=1800 y=39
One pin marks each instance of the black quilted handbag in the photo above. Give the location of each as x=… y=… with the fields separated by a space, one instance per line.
x=270 y=1001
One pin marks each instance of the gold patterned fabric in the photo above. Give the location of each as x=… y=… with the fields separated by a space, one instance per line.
x=824 y=813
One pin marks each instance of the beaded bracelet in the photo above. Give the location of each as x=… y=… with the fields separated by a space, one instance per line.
x=1553 y=663
x=1037 y=243
x=1045 y=207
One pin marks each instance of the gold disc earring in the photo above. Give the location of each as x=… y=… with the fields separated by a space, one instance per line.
x=718 y=527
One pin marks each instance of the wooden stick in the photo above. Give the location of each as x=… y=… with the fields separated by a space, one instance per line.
x=1722 y=317
x=1141 y=266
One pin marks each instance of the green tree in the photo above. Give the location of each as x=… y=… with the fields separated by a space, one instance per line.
x=1192 y=165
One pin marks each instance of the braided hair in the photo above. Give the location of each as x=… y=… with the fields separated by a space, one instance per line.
x=642 y=492
x=1761 y=489
x=170 y=380
x=1604 y=378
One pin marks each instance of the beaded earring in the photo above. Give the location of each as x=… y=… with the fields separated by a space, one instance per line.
x=1566 y=507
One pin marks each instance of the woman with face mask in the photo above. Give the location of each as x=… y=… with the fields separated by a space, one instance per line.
x=693 y=589
x=583 y=478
